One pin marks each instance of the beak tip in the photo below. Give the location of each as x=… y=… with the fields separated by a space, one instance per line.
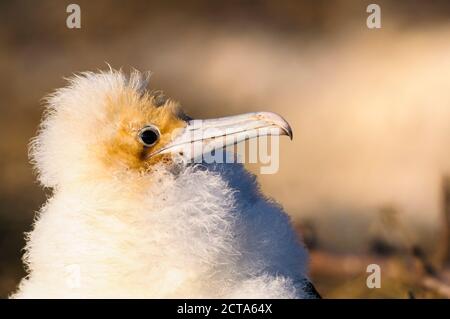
x=290 y=134
x=287 y=130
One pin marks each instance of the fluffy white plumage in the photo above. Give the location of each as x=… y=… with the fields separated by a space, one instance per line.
x=178 y=230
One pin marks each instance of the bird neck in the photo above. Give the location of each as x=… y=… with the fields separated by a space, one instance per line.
x=170 y=227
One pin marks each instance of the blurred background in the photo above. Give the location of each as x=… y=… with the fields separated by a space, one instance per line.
x=366 y=178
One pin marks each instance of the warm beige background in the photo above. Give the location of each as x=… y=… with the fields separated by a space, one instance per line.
x=370 y=109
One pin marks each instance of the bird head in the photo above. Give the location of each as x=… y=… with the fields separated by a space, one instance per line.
x=108 y=125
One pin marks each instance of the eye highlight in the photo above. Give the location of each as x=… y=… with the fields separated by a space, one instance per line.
x=149 y=135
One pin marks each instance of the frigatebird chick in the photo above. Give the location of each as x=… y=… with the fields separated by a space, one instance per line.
x=132 y=216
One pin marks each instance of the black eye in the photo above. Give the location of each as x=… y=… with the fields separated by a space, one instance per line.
x=149 y=135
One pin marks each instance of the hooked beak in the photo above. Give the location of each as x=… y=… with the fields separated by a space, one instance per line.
x=202 y=136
